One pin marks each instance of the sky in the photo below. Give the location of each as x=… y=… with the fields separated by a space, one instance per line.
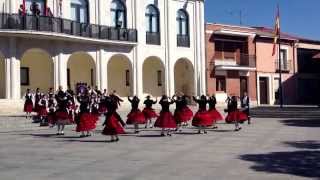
x=298 y=17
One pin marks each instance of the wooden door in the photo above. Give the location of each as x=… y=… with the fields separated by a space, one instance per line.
x=263 y=82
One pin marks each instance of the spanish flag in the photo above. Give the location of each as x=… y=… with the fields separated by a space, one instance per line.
x=276 y=31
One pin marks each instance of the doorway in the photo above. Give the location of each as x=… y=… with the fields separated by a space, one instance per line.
x=263 y=82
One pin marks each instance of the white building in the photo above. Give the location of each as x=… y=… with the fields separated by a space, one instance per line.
x=135 y=47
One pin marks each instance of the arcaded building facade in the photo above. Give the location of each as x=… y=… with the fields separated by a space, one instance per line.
x=135 y=47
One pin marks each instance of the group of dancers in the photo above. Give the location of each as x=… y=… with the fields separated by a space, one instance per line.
x=86 y=106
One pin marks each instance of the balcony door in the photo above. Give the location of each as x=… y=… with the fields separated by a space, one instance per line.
x=33 y=3
x=79 y=11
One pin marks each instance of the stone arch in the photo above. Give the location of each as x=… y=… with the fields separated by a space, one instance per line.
x=36 y=70
x=120 y=75
x=184 y=80
x=153 y=76
x=81 y=67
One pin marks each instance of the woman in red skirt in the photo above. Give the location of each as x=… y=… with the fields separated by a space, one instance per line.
x=148 y=111
x=87 y=122
x=135 y=117
x=234 y=115
x=202 y=118
x=43 y=112
x=61 y=115
x=166 y=120
x=28 y=104
x=216 y=116
x=52 y=107
x=183 y=113
x=113 y=123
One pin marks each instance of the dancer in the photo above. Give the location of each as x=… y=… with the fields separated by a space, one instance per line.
x=86 y=121
x=102 y=103
x=245 y=105
x=148 y=111
x=183 y=113
x=52 y=108
x=42 y=112
x=234 y=115
x=113 y=123
x=202 y=118
x=166 y=120
x=62 y=114
x=135 y=117
x=215 y=115
x=28 y=104
x=37 y=98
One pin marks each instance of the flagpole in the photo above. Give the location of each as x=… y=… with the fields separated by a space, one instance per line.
x=280 y=64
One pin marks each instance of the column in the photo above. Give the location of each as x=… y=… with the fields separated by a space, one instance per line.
x=7 y=71
x=103 y=70
x=15 y=88
x=98 y=68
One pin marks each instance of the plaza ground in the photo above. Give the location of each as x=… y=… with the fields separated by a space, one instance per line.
x=270 y=148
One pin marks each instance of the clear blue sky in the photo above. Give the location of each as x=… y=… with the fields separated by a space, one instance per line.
x=298 y=17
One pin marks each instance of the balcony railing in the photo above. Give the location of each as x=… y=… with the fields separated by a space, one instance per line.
x=153 y=38
x=285 y=65
x=183 y=41
x=65 y=26
x=230 y=59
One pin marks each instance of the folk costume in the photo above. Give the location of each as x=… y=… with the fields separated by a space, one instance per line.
x=234 y=115
x=245 y=106
x=202 y=118
x=86 y=122
x=166 y=120
x=148 y=111
x=135 y=116
x=62 y=114
x=182 y=113
x=28 y=104
x=113 y=123
x=215 y=115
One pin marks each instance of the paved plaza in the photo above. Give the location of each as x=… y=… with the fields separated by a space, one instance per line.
x=267 y=149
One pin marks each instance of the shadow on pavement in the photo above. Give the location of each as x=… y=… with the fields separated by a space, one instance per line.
x=299 y=163
x=304 y=144
x=314 y=123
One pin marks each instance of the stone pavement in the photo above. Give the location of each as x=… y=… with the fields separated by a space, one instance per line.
x=267 y=149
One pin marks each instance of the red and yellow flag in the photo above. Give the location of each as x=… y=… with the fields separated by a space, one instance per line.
x=276 y=31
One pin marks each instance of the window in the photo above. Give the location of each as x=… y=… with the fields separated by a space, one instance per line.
x=159 y=73
x=152 y=19
x=221 y=83
x=79 y=11
x=31 y=3
x=284 y=59
x=182 y=23
x=118 y=14
x=127 y=77
x=24 y=76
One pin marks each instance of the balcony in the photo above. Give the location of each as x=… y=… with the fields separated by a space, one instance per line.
x=66 y=27
x=183 y=41
x=285 y=65
x=235 y=61
x=153 y=38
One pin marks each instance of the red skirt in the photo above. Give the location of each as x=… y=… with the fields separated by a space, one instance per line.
x=28 y=107
x=136 y=117
x=42 y=111
x=202 y=118
x=62 y=117
x=95 y=116
x=87 y=123
x=51 y=118
x=183 y=115
x=113 y=127
x=165 y=120
x=149 y=113
x=236 y=116
x=216 y=116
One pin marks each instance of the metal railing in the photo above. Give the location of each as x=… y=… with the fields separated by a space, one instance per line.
x=240 y=59
x=65 y=26
x=285 y=65
x=153 y=38
x=183 y=41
